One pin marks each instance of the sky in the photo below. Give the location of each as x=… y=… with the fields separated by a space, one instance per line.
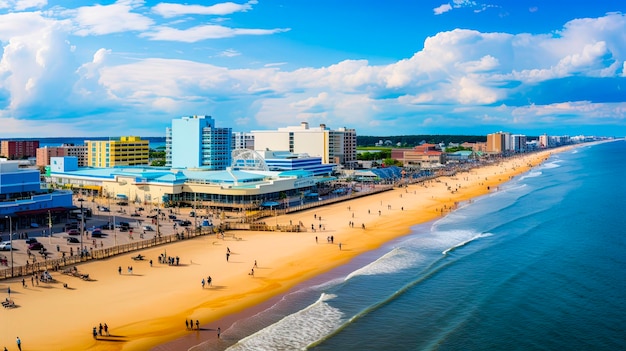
x=393 y=67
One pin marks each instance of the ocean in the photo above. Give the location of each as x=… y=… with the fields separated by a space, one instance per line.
x=539 y=264
x=155 y=142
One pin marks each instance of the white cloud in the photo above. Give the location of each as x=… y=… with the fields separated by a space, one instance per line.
x=168 y=10
x=203 y=32
x=107 y=19
x=20 y=5
x=442 y=9
x=229 y=53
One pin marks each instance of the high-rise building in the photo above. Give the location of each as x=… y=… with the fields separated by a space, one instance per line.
x=18 y=149
x=125 y=151
x=195 y=142
x=44 y=154
x=333 y=146
x=243 y=140
x=496 y=143
x=518 y=142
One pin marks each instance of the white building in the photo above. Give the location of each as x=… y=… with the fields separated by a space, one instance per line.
x=333 y=146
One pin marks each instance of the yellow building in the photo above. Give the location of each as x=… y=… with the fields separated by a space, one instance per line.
x=125 y=151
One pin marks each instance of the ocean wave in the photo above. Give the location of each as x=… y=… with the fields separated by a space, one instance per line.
x=392 y=262
x=463 y=243
x=296 y=331
x=531 y=174
x=550 y=165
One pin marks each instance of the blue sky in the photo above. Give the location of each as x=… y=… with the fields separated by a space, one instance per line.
x=128 y=67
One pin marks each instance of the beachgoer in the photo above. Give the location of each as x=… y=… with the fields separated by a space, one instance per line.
x=255 y=263
x=186 y=324
x=340 y=246
x=119 y=270
x=19 y=343
x=209 y=280
x=150 y=263
x=219 y=332
x=227 y=256
x=202 y=283
x=23 y=282
x=100 y=328
x=106 y=329
x=197 y=324
x=95 y=333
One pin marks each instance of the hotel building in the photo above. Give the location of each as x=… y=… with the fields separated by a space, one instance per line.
x=125 y=151
x=18 y=149
x=195 y=142
x=333 y=146
x=44 y=154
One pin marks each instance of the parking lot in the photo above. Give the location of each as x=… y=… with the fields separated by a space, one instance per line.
x=57 y=244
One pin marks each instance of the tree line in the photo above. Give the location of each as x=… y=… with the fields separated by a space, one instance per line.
x=414 y=140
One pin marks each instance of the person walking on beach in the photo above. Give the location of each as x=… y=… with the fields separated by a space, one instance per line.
x=95 y=333
x=227 y=256
x=202 y=283
x=119 y=270
x=19 y=343
x=219 y=332
x=255 y=266
x=106 y=329
x=197 y=324
x=209 y=280
x=186 y=324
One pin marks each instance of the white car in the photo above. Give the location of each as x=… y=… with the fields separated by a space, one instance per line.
x=5 y=246
x=148 y=228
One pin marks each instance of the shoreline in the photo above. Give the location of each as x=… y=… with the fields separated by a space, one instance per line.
x=227 y=322
x=147 y=309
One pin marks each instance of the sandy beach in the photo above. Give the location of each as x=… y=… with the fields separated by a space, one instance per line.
x=149 y=305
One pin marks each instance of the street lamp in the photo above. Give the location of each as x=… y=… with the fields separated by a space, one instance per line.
x=82 y=226
x=11 y=240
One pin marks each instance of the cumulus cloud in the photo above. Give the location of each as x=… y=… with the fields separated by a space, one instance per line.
x=460 y=77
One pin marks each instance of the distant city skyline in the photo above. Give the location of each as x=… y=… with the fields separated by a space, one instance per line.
x=129 y=67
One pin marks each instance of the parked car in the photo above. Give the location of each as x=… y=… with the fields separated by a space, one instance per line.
x=140 y=209
x=148 y=228
x=72 y=240
x=73 y=232
x=5 y=246
x=96 y=233
x=35 y=246
x=104 y=209
x=192 y=214
x=135 y=214
x=184 y=223
x=31 y=240
x=172 y=216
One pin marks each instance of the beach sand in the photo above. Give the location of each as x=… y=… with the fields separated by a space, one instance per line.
x=149 y=307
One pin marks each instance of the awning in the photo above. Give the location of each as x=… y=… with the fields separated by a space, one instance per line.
x=270 y=204
x=41 y=211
